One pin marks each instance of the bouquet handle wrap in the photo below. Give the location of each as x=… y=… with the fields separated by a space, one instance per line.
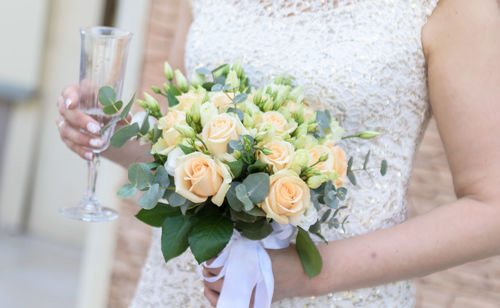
x=245 y=264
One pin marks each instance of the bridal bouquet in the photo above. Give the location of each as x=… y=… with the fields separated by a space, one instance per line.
x=236 y=170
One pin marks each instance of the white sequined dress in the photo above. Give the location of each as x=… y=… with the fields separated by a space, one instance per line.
x=362 y=60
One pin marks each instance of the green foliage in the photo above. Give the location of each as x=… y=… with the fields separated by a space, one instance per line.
x=367 y=157
x=232 y=199
x=113 y=108
x=236 y=167
x=211 y=233
x=174 y=236
x=161 y=177
x=139 y=175
x=308 y=253
x=243 y=195
x=186 y=149
x=124 y=134
x=383 y=167
x=256 y=230
x=149 y=199
x=257 y=185
x=107 y=96
x=145 y=124
x=155 y=216
x=127 y=191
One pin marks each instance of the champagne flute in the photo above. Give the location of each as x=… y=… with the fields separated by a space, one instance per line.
x=102 y=63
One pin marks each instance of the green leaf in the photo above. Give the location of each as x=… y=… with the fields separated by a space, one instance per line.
x=255 y=230
x=161 y=177
x=257 y=212
x=155 y=216
x=257 y=166
x=216 y=87
x=149 y=199
x=127 y=108
x=236 y=167
x=208 y=85
x=209 y=236
x=240 y=98
x=308 y=253
x=242 y=195
x=257 y=185
x=365 y=163
x=110 y=123
x=349 y=164
x=331 y=200
x=186 y=149
x=174 y=236
x=352 y=178
x=322 y=119
x=145 y=124
x=325 y=216
x=139 y=175
x=107 y=96
x=383 y=167
x=156 y=133
x=127 y=191
x=174 y=199
x=203 y=71
x=113 y=108
x=124 y=134
x=172 y=100
x=341 y=193
x=242 y=216
x=232 y=199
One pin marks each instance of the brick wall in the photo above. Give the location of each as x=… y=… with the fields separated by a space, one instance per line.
x=472 y=285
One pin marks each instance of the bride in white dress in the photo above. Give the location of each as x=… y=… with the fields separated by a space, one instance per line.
x=371 y=63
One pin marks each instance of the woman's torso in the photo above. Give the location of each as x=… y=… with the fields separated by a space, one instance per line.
x=360 y=59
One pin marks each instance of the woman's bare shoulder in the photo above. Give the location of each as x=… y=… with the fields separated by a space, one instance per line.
x=455 y=23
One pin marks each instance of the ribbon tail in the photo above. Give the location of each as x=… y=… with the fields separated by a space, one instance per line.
x=242 y=273
x=265 y=286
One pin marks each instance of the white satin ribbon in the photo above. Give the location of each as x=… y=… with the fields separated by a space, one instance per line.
x=245 y=265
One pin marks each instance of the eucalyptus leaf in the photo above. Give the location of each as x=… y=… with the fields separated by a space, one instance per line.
x=243 y=216
x=325 y=215
x=242 y=195
x=216 y=87
x=383 y=167
x=172 y=100
x=308 y=253
x=145 y=124
x=107 y=96
x=257 y=185
x=139 y=175
x=174 y=236
x=127 y=191
x=257 y=166
x=161 y=177
x=155 y=216
x=203 y=71
x=232 y=199
x=174 y=199
x=367 y=157
x=341 y=193
x=127 y=108
x=240 y=98
x=124 y=134
x=352 y=178
x=150 y=198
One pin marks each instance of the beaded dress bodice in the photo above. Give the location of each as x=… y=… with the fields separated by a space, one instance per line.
x=360 y=59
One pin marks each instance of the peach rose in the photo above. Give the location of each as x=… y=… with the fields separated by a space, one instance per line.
x=288 y=197
x=186 y=100
x=219 y=130
x=314 y=154
x=278 y=122
x=197 y=177
x=339 y=162
x=282 y=154
x=172 y=118
x=170 y=136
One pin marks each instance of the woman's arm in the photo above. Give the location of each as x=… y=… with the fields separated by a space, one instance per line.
x=71 y=120
x=462 y=46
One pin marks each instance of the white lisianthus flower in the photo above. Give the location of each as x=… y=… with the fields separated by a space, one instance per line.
x=207 y=111
x=306 y=219
x=172 y=160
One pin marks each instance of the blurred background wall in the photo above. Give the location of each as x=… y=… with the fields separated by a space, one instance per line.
x=49 y=261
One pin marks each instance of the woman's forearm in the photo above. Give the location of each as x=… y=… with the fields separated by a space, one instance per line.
x=450 y=235
x=129 y=153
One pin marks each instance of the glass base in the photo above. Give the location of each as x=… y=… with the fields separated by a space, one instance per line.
x=90 y=211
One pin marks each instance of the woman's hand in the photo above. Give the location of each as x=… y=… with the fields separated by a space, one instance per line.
x=71 y=120
x=289 y=277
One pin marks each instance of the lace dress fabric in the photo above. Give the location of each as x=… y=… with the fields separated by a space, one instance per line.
x=360 y=59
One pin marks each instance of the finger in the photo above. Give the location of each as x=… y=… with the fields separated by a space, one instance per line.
x=213 y=271
x=214 y=286
x=77 y=137
x=212 y=296
x=70 y=96
x=83 y=152
x=78 y=119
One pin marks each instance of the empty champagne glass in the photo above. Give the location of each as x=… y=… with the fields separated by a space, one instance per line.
x=102 y=63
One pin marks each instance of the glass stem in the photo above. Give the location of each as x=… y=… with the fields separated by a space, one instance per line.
x=93 y=165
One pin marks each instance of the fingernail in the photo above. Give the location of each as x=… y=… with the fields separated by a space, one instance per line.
x=68 y=102
x=88 y=155
x=96 y=142
x=93 y=128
